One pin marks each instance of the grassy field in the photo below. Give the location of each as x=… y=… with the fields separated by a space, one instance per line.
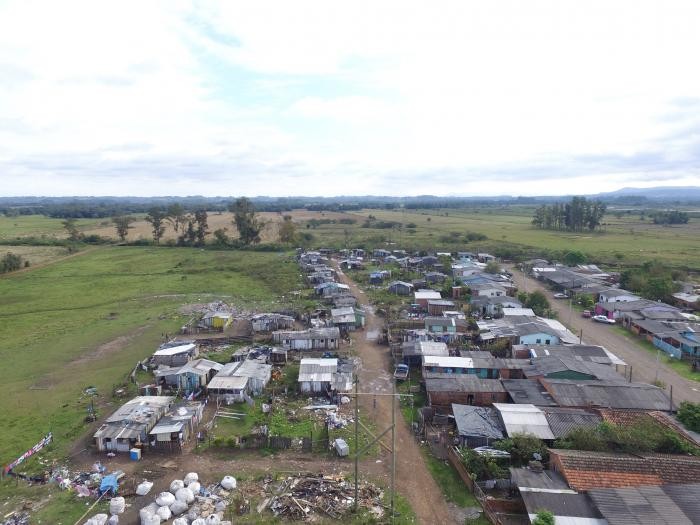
x=86 y=320
x=36 y=255
x=626 y=240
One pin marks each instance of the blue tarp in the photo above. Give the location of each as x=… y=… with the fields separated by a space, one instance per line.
x=109 y=483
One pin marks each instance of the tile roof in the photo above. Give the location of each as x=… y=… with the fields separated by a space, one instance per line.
x=585 y=470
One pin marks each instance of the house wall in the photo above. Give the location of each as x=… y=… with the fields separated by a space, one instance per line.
x=668 y=348
x=540 y=338
x=314 y=386
x=445 y=399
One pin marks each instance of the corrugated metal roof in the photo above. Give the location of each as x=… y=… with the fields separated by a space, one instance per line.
x=228 y=383
x=448 y=361
x=174 y=350
x=527 y=391
x=563 y=420
x=436 y=382
x=524 y=419
x=664 y=505
x=607 y=394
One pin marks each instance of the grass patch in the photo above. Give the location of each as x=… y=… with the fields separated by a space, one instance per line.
x=448 y=480
x=85 y=321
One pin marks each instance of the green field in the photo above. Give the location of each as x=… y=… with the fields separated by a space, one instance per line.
x=39 y=226
x=626 y=240
x=86 y=320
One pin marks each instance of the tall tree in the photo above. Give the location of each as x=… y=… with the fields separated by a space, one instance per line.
x=176 y=216
x=288 y=230
x=156 y=218
x=246 y=221
x=72 y=230
x=200 y=218
x=123 y=225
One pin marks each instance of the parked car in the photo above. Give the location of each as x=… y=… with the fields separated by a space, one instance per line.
x=587 y=314
x=401 y=372
x=603 y=319
x=560 y=296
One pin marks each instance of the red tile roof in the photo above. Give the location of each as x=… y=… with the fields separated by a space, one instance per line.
x=585 y=470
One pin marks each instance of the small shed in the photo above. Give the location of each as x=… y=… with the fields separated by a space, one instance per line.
x=175 y=355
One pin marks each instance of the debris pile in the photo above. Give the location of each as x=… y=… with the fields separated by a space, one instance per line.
x=17 y=518
x=189 y=502
x=305 y=498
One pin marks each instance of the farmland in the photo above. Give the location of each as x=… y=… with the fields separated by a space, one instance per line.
x=86 y=320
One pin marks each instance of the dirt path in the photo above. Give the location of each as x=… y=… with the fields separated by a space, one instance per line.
x=644 y=365
x=413 y=480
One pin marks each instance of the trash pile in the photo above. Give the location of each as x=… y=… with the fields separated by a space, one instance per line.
x=188 y=502
x=17 y=518
x=305 y=498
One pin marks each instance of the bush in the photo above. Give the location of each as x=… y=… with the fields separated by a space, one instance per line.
x=689 y=415
x=522 y=448
x=483 y=467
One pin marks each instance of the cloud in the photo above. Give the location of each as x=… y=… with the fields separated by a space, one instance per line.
x=366 y=97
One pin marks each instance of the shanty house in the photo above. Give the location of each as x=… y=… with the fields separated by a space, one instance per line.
x=421 y=297
x=227 y=385
x=324 y=375
x=269 y=322
x=218 y=321
x=348 y=318
x=312 y=339
x=477 y=426
x=400 y=288
x=131 y=423
x=463 y=389
x=413 y=352
x=257 y=372
x=438 y=306
x=175 y=355
x=177 y=426
x=331 y=289
x=191 y=376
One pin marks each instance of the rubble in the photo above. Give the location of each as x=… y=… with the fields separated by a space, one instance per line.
x=304 y=498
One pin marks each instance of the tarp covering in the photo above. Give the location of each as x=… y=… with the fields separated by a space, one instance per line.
x=109 y=483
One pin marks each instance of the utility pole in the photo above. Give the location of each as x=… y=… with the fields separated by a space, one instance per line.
x=357 y=440
x=393 y=446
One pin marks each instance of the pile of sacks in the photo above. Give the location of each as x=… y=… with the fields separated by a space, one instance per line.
x=188 y=503
x=117 y=506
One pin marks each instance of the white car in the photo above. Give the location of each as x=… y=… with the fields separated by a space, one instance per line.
x=603 y=319
x=560 y=296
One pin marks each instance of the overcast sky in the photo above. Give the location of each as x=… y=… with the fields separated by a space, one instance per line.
x=328 y=98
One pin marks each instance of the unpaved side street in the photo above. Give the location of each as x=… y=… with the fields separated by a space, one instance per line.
x=644 y=364
x=413 y=480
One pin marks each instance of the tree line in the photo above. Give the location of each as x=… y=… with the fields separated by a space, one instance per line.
x=192 y=228
x=577 y=215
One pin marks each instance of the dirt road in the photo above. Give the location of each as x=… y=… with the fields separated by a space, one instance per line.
x=645 y=367
x=413 y=480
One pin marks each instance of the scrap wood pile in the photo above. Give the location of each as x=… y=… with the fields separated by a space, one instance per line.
x=307 y=498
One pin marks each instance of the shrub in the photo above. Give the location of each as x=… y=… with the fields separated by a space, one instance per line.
x=689 y=415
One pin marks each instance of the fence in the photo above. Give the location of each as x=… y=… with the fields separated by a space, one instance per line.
x=493 y=507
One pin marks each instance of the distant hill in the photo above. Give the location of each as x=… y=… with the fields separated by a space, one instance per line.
x=659 y=193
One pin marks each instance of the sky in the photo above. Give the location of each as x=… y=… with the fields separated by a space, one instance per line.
x=348 y=98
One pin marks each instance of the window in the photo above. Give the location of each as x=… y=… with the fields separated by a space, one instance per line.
x=539 y=341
